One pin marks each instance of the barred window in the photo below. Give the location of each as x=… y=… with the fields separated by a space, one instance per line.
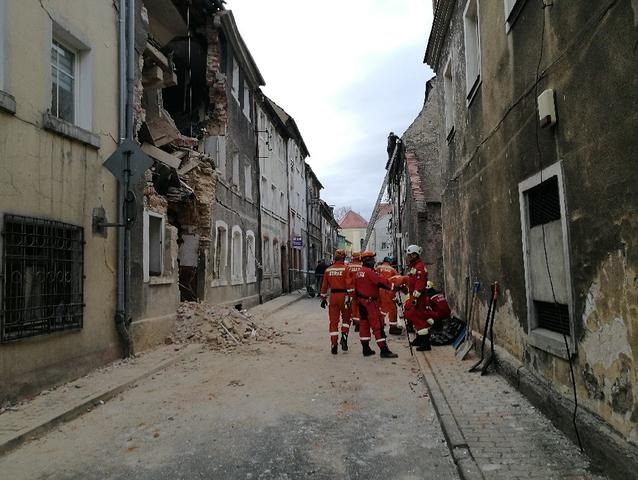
x=43 y=272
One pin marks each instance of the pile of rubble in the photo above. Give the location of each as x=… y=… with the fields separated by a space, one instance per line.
x=220 y=328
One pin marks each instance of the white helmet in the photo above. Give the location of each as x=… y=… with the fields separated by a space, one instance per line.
x=413 y=249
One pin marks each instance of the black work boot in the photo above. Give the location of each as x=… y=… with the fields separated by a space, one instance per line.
x=424 y=343
x=416 y=342
x=333 y=349
x=394 y=330
x=367 y=351
x=344 y=342
x=386 y=353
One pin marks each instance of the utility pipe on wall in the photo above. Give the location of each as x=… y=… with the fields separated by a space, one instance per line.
x=126 y=53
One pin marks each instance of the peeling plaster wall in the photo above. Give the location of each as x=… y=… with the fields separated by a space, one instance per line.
x=45 y=175
x=496 y=146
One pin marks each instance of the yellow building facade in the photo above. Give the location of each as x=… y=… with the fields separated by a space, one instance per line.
x=58 y=124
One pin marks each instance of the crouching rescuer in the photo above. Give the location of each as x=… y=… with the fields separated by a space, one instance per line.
x=334 y=278
x=416 y=309
x=366 y=285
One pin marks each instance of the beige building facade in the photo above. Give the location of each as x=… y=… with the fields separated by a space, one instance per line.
x=58 y=123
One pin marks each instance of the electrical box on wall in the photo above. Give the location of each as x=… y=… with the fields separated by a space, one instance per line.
x=546 y=108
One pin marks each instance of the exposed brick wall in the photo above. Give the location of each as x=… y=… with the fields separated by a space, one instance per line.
x=216 y=80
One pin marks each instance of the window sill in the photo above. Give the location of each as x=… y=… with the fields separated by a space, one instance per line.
x=237 y=281
x=68 y=130
x=160 y=280
x=7 y=103
x=219 y=282
x=551 y=342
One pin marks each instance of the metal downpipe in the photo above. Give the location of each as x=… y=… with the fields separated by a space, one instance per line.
x=126 y=46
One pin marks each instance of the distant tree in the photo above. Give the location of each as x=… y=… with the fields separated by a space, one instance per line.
x=340 y=212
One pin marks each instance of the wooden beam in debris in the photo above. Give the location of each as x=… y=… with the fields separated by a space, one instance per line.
x=160 y=155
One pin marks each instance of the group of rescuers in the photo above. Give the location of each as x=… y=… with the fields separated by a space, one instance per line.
x=364 y=294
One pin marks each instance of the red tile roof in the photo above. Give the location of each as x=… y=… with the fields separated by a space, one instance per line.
x=353 y=220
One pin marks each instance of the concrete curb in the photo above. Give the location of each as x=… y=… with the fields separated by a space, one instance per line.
x=465 y=463
x=33 y=432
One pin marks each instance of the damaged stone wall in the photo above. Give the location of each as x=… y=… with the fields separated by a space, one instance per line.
x=497 y=145
x=216 y=80
x=423 y=168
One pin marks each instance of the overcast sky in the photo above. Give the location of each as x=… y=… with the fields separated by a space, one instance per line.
x=349 y=73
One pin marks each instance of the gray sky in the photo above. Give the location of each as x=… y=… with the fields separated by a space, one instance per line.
x=349 y=73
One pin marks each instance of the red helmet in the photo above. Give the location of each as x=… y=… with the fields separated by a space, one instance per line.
x=368 y=254
x=356 y=255
x=340 y=253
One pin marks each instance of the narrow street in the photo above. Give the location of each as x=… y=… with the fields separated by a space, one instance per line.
x=281 y=409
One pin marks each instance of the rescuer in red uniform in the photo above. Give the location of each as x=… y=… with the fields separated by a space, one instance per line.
x=367 y=284
x=416 y=309
x=387 y=305
x=351 y=272
x=437 y=304
x=334 y=278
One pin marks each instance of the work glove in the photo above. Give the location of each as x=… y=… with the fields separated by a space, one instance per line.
x=324 y=302
x=415 y=298
x=347 y=302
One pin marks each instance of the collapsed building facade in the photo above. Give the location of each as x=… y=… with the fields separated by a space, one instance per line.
x=197 y=225
x=538 y=192
x=221 y=186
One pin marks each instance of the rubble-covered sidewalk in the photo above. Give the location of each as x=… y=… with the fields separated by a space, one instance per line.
x=198 y=326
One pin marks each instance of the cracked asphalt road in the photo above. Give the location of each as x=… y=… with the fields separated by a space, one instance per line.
x=282 y=410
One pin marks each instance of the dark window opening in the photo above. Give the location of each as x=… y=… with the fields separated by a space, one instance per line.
x=552 y=316
x=544 y=202
x=188 y=100
x=43 y=270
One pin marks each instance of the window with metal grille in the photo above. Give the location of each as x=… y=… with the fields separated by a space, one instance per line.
x=544 y=202
x=552 y=316
x=42 y=281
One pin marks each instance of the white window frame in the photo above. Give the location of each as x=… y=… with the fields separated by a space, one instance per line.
x=217 y=147
x=235 y=173
x=236 y=256
x=540 y=338
x=472 y=38
x=266 y=256
x=246 y=94
x=448 y=93
x=235 y=83
x=264 y=192
x=251 y=258
x=248 y=182
x=276 y=260
x=219 y=276
x=83 y=88
x=146 y=242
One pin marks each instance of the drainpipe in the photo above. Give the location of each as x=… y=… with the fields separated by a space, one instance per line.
x=288 y=216
x=126 y=24
x=257 y=246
